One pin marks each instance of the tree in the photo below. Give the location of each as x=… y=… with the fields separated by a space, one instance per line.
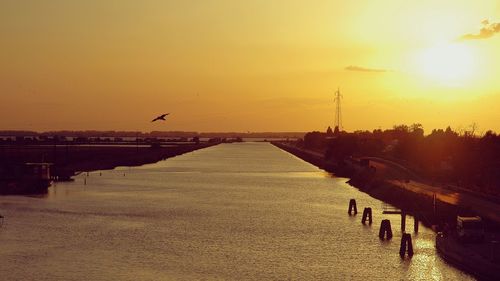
x=336 y=131
x=329 y=131
x=314 y=140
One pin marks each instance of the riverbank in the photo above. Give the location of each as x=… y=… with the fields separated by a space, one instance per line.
x=314 y=158
x=479 y=259
x=431 y=205
x=68 y=161
x=91 y=159
x=409 y=195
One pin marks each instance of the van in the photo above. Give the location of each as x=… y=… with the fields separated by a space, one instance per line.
x=470 y=229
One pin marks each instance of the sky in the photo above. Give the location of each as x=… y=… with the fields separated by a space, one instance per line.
x=243 y=66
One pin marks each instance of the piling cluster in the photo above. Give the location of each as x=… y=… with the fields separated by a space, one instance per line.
x=385 y=231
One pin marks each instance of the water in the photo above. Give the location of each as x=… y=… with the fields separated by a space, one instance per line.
x=234 y=211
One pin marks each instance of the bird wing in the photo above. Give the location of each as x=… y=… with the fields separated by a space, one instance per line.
x=161 y=117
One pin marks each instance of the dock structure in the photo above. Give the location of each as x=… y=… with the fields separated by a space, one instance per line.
x=403 y=221
x=415 y=224
x=390 y=210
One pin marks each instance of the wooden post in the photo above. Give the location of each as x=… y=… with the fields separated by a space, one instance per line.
x=434 y=204
x=367 y=214
x=415 y=224
x=406 y=244
x=352 y=207
x=385 y=230
x=403 y=221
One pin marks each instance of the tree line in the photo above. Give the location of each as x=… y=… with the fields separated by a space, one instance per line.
x=459 y=158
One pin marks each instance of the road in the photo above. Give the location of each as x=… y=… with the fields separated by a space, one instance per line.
x=486 y=207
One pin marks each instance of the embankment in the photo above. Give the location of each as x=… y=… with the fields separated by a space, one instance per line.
x=315 y=159
x=109 y=158
x=366 y=180
x=72 y=159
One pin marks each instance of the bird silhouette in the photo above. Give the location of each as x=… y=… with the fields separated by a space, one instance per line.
x=161 y=117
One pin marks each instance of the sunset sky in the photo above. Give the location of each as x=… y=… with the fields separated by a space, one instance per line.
x=248 y=65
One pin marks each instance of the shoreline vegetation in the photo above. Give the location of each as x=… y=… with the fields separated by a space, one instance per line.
x=459 y=160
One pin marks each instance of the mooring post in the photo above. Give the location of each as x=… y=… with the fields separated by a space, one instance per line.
x=403 y=221
x=406 y=244
x=415 y=224
x=385 y=230
x=352 y=207
x=367 y=214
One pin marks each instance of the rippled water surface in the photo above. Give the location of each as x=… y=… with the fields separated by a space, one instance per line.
x=233 y=211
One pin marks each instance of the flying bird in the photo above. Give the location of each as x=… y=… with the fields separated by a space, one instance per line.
x=161 y=117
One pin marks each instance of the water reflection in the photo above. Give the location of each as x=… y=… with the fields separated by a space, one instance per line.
x=234 y=211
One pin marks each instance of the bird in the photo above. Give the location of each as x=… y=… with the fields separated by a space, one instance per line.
x=161 y=117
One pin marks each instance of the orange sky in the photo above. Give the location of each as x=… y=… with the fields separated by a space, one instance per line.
x=248 y=65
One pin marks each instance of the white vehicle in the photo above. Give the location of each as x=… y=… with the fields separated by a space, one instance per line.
x=470 y=228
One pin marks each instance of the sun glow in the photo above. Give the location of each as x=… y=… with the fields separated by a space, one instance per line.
x=453 y=64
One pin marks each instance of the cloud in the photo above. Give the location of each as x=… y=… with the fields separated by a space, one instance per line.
x=363 y=69
x=488 y=30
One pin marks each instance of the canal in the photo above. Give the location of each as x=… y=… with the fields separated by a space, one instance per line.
x=242 y=211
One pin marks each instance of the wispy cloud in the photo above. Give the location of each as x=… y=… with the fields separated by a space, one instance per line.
x=488 y=30
x=363 y=69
